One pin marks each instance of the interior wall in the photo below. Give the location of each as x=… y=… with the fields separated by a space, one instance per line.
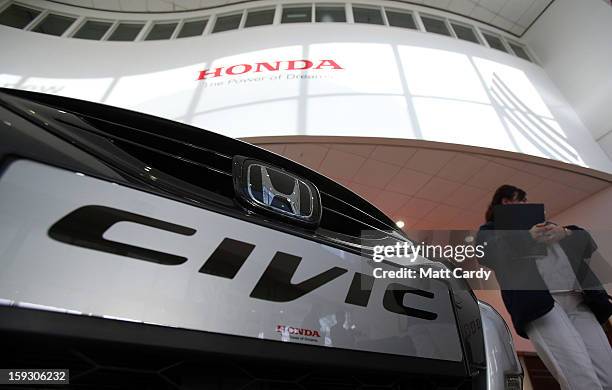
x=390 y=82
x=594 y=214
x=572 y=41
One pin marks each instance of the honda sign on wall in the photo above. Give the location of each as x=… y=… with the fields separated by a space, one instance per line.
x=320 y=79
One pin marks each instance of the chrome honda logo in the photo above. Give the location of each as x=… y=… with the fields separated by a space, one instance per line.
x=272 y=197
x=276 y=190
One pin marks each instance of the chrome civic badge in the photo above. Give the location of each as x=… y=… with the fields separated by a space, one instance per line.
x=274 y=190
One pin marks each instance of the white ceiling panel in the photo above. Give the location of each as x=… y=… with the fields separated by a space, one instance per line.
x=493 y=5
x=463 y=7
x=159 y=6
x=514 y=9
x=483 y=14
x=438 y=3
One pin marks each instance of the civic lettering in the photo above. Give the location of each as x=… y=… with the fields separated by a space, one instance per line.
x=85 y=228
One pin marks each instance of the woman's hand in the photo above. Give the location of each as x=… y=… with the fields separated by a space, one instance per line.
x=548 y=233
x=538 y=231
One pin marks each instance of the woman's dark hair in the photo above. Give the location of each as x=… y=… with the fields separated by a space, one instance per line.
x=504 y=192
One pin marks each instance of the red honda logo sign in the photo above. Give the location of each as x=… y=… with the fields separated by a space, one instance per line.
x=275 y=66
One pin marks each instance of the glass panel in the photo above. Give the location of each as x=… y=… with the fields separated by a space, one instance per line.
x=465 y=32
x=401 y=19
x=193 y=28
x=228 y=22
x=126 y=32
x=93 y=30
x=435 y=25
x=297 y=15
x=259 y=18
x=161 y=31
x=325 y=14
x=54 y=24
x=494 y=42
x=367 y=15
x=18 y=16
x=519 y=51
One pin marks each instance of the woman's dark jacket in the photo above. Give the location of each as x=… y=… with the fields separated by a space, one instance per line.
x=511 y=255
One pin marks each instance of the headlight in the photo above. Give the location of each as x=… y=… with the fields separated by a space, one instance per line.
x=504 y=371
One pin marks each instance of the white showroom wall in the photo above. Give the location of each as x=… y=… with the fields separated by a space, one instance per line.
x=572 y=41
x=593 y=214
x=394 y=83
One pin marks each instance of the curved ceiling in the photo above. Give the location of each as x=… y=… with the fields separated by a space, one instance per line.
x=436 y=186
x=514 y=16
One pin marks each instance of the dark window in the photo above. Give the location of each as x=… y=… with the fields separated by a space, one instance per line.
x=297 y=15
x=93 y=30
x=435 y=25
x=54 y=24
x=18 y=16
x=519 y=51
x=192 y=28
x=401 y=19
x=126 y=32
x=495 y=42
x=228 y=22
x=465 y=32
x=259 y=18
x=161 y=31
x=367 y=15
x=324 y=14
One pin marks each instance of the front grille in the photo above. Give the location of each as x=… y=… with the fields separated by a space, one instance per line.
x=347 y=219
x=110 y=365
x=189 y=162
x=196 y=164
x=190 y=151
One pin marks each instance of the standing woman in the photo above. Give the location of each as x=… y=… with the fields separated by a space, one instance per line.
x=555 y=300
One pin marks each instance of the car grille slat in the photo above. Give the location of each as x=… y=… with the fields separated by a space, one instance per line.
x=125 y=141
x=163 y=144
x=151 y=133
x=332 y=202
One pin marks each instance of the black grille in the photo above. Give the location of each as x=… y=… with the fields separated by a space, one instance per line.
x=211 y=170
x=196 y=164
x=164 y=142
x=200 y=166
x=189 y=162
x=111 y=366
x=344 y=218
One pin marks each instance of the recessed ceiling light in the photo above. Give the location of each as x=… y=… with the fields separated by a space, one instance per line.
x=400 y=224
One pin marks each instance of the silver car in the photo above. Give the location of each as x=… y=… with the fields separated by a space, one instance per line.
x=143 y=253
